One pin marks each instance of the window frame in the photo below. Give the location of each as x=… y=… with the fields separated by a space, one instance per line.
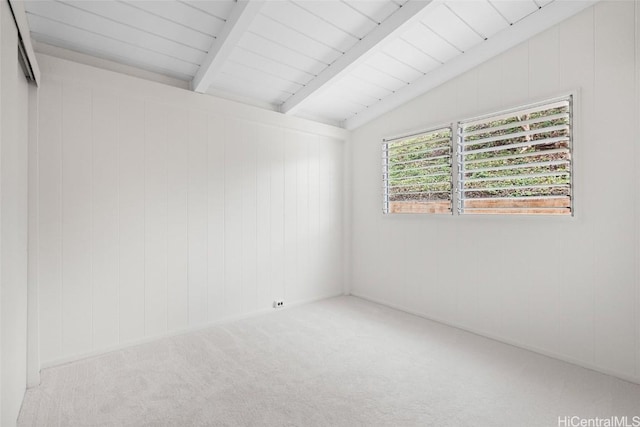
x=572 y=96
x=569 y=97
x=450 y=126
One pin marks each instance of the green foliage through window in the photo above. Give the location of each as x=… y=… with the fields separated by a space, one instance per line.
x=517 y=162
x=512 y=162
x=417 y=172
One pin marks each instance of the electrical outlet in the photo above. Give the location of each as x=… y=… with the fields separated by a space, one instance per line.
x=278 y=303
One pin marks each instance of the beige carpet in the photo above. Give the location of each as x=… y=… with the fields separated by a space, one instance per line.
x=338 y=362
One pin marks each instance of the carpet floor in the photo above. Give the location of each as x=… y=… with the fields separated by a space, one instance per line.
x=338 y=362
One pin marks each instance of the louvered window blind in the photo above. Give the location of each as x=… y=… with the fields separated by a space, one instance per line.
x=416 y=172
x=517 y=161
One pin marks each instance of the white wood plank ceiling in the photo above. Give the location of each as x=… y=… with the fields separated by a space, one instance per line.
x=337 y=61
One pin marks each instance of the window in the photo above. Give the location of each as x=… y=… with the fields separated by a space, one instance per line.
x=517 y=161
x=416 y=171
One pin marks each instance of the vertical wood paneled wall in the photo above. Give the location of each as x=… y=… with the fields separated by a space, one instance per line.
x=14 y=96
x=567 y=287
x=156 y=215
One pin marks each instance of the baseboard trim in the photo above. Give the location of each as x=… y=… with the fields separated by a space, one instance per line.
x=182 y=331
x=541 y=351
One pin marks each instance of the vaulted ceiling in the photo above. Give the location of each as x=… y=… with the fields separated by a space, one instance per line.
x=343 y=62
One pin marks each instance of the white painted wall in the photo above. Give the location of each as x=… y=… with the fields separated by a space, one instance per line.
x=567 y=287
x=13 y=222
x=162 y=210
x=33 y=351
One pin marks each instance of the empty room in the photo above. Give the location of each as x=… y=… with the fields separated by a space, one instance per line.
x=320 y=213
